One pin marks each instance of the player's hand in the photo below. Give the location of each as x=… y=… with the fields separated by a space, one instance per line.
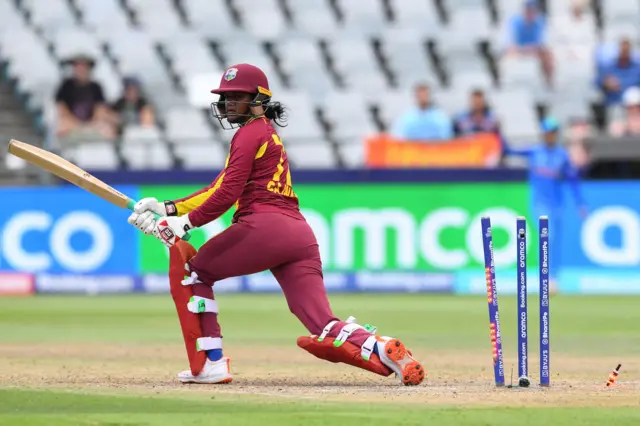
x=171 y=229
x=145 y=221
x=150 y=204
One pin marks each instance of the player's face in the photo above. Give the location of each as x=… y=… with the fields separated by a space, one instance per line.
x=550 y=138
x=81 y=71
x=237 y=106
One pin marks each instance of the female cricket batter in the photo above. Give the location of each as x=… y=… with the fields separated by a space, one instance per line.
x=268 y=232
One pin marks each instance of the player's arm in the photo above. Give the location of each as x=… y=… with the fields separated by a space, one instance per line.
x=572 y=175
x=187 y=204
x=231 y=183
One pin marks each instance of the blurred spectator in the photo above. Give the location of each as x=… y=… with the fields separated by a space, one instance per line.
x=576 y=27
x=629 y=125
x=80 y=104
x=132 y=108
x=478 y=119
x=617 y=74
x=425 y=121
x=526 y=34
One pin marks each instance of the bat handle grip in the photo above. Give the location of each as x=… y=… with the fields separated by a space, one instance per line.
x=131 y=205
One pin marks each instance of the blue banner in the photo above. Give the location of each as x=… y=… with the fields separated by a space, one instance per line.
x=609 y=237
x=69 y=238
x=65 y=230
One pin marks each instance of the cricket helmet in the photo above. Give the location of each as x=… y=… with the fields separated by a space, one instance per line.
x=242 y=78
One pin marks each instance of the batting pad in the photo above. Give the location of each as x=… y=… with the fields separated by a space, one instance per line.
x=179 y=254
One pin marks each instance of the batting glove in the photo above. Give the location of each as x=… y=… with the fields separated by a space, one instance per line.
x=145 y=221
x=171 y=229
x=166 y=208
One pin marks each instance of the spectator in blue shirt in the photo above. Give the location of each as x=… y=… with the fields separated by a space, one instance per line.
x=478 y=119
x=526 y=35
x=617 y=74
x=425 y=122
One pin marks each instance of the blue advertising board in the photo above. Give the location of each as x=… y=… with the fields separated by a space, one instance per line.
x=68 y=230
x=68 y=239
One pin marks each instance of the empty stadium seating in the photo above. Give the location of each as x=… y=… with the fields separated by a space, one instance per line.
x=334 y=63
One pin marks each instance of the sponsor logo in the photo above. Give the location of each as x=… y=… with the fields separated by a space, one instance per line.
x=545 y=328
x=87 y=284
x=523 y=359
x=231 y=74
x=523 y=325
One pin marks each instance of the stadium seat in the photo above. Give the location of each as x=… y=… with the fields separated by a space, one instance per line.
x=159 y=18
x=302 y=126
x=143 y=147
x=613 y=32
x=369 y=20
x=460 y=36
x=355 y=61
x=147 y=156
x=348 y=113
x=506 y=8
x=406 y=55
x=190 y=56
x=352 y=153
x=314 y=154
x=211 y=18
x=70 y=41
x=255 y=13
x=394 y=103
x=104 y=16
x=418 y=15
x=136 y=55
x=313 y=18
x=521 y=73
x=187 y=124
x=200 y=155
x=11 y=19
x=111 y=83
x=468 y=80
x=141 y=134
x=302 y=62
x=452 y=101
x=36 y=73
x=198 y=87
x=617 y=11
x=50 y=15
x=94 y=156
x=515 y=109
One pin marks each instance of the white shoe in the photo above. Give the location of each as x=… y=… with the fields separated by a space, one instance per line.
x=213 y=372
x=398 y=358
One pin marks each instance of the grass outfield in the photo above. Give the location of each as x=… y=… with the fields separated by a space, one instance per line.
x=112 y=360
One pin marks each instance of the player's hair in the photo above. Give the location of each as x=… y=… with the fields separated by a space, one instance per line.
x=277 y=113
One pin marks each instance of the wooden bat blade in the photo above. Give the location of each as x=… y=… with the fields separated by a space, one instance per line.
x=68 y=171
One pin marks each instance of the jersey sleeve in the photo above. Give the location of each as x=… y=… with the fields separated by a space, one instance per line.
x=191 y=202
x=229 y=186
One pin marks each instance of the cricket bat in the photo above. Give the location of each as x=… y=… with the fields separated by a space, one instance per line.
x=71 y=173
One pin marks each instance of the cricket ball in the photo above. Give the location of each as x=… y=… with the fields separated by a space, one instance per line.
x=524 y=382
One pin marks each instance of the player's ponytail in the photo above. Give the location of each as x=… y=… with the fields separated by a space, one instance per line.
x=276 y=112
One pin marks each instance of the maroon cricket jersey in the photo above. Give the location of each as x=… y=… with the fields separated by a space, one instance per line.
x=256 y=178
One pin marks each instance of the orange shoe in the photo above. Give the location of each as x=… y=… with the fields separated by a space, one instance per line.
x=398 y=358
x=347 y=353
